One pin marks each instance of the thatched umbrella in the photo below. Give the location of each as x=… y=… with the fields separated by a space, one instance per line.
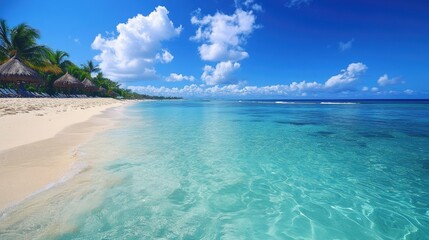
x=16 y=71
x=101 y=90
x=67 y=81
x=112 y=94
x=89 y=86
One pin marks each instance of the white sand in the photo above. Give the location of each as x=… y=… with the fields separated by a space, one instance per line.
x=38 y=138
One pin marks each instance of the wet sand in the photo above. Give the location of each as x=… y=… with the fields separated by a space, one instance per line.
x=39 y=139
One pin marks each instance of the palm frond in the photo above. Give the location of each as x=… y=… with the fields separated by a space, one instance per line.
x=4 y=34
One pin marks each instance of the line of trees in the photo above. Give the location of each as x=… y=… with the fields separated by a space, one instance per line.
x=21 y=41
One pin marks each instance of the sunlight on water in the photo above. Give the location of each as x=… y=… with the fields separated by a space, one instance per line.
x=244 y=170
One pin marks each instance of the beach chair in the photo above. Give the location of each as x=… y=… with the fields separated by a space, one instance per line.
x=13 y=92
x=2 y=93
x=6 y=92
x=10 y=93
x=24 y=93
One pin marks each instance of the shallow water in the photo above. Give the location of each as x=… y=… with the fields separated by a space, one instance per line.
x=244 y=170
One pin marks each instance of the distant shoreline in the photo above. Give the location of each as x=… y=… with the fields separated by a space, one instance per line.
x=37 y=148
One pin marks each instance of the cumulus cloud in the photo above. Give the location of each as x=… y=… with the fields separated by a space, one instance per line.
x=385 y=80
x=218 y=82
x=194 y=90
x=223 y=36
x=408 y=91
x=220 y=74
x=164 y=57
x=304 y=86
x=343 y=46
x=347 y=77
x=137 y=47
x=226 y=90
x=252 y=5
x=296 y=3
x=174 y=77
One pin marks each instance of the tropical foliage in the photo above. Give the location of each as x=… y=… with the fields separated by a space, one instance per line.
x=90 y=67
x=21 y=41
x=56 y=61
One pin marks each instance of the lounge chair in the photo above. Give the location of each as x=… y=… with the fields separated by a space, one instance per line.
x=13 y=91
x=10 y=92
x=6 y=91
x=3 y=93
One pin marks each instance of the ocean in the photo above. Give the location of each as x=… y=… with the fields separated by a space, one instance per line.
x=271 y=169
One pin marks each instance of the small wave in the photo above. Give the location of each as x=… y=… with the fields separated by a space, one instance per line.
x=77 y=168
x=338 y=103
x=283 y=102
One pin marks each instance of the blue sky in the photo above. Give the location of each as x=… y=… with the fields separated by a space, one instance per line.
x=243 y=49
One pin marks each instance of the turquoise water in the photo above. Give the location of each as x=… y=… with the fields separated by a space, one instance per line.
x=244 y=170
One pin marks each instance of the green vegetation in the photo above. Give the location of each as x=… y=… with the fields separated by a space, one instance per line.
x=21 y=41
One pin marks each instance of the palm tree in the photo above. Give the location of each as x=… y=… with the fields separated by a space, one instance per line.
x=108 y=84
x=90 y=67
x=56 y=62
x=21 y=41
x=4 y=40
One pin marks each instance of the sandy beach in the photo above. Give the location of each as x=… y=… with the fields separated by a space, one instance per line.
x=39 y=137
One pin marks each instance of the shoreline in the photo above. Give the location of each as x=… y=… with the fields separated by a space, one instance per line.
x=38 y=151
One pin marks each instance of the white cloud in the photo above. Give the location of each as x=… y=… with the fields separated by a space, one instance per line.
x=137 y=47
x=347 y=76
x=165 y=57
x=345 y=46
x=385 y=80
x=174 y=77
x=220 y=74
x=304 y=86
x=374 y=89
x=194 y=90
x=222 y=35
x=252 y=5
x=296 y=3
x=76 y=40
x=218 y=82
x=409 y=91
